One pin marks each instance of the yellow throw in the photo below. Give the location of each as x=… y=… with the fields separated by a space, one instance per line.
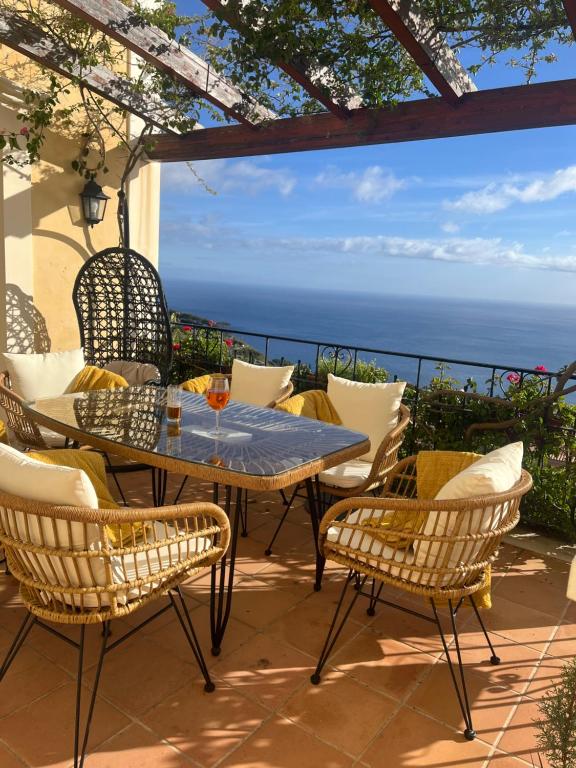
x=314 y=404
x=91 y=377
x=199 y=385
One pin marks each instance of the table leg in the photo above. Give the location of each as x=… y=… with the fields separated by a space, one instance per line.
x=159 y=478
x=222 y=581
x=314 y=502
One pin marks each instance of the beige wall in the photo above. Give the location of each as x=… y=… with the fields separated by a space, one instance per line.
x=45 y=241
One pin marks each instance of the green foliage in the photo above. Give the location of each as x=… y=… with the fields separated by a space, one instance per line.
x=557 y=728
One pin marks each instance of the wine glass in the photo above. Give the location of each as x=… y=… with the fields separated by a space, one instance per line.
x=217 y=396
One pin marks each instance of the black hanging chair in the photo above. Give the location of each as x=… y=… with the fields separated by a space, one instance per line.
x=122 y=312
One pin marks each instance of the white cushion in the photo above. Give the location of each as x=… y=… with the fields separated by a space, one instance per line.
x=368 y=408
x=497 y=472
x=136 y=374
x=44 y=375
x=258 y=384
x=571 y=591
x=349 y=474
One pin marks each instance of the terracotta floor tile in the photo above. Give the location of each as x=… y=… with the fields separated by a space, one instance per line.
x=340 y=711
x=406 y=628
x=290 y=535
x=257 y=603
x=411 y=740
x=384 y=664
x=563 y=645
x=137 y=747
x=491 y=704
x=507 y=761
x=547 y=675
x=520 y=737
x=265 y=669
x=541 y=590
x=519 y=623
x=140 y=673
x=51 y=721
x=8 y=759
x=206 y=726
x=281 y=744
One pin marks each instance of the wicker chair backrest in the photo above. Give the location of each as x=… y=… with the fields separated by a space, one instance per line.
x=122 y=311
x=23 y=432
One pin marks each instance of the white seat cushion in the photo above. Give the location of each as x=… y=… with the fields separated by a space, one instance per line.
x=368 y=408
x=46 y=375
x=571 y=591
x=497 y=472
x=136 y=374
x=258 y=384
x=349 y=474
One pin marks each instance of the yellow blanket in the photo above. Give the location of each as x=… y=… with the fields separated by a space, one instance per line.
x=314 y=404
x=93 y=464
x=91 y=377
x=199 y=385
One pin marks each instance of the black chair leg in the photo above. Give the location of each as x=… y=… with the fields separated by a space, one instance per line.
x=80 y=757
x=336 y=628
x=494 y=658
x=182 y=484
x=288 y=506
x=115 y=478
x=21 y=635
x=374 y=596
x=181 y=611
x=460 y=688
x=244 y=516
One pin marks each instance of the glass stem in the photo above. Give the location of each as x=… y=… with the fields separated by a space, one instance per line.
x=217 y=422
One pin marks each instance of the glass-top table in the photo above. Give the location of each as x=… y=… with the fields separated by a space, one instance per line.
x=263 y=450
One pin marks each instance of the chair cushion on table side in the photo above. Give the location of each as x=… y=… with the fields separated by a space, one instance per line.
x=49 y=374
x=258 y=384
x=349 y=474
x=369 y=408
x=135 y=374
x=91 y=377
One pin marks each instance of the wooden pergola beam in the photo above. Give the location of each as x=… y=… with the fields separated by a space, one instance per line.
x=503 y=109
x=315 y=84
x=121 y=23
x=21 y=35
x=570 y=8
x=426 y=46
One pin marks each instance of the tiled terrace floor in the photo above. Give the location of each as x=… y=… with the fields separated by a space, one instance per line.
x=386 y=702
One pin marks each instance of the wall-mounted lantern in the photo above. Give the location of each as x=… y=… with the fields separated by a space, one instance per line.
x=93 y=202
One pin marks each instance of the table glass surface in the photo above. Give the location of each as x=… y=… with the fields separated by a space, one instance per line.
x=260 y=441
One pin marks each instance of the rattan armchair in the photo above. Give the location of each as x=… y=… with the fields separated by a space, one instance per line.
x=23 y=432
x=374 y=480
x=199 y=385
x=88 y=566
x=438 y=550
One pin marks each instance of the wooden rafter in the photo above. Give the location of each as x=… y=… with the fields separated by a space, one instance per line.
x=21 y=35
x=570 y=8
x=150 y=43
x=426 y=46
x=503 y=109
x=317 y=84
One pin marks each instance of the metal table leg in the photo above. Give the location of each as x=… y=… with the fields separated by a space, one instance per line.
x=159 y=478
x=314 y=502
x=222 y=582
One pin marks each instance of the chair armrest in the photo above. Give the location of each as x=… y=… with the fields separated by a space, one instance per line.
x=285 y=393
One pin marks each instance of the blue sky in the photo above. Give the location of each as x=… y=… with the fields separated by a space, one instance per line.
x=490 y=216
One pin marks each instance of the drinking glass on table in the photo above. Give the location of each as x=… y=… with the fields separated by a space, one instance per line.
x=217 y=396
x=173 y=403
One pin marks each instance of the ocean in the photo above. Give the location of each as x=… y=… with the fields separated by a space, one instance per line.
x=507 y=335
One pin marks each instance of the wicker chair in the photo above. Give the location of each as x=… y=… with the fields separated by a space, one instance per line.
x=446 y=564
x=384 y=461
x=88 y=566
x=122 y=312
x=23 y=432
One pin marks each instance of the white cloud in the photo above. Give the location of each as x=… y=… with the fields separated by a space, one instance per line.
x=224 y=176
x=450 y=227
x=371 y=186
x=368 y=250
x=497 y=196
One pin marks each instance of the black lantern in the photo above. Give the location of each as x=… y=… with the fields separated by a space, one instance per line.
x=93 y=202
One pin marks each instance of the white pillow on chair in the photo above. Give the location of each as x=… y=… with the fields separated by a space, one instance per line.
x=136 y=374
x=258 y=384
x=44 y=375
x=368 y=408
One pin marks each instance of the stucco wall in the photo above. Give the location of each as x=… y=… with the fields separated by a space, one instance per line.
x=45 y=240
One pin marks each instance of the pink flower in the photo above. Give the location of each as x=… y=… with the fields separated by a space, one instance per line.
x=513 y=378
x=186 y=328
x=176 y=346
x=211 y=323
x=229 y=343
x=541 y=368
x=24 y=131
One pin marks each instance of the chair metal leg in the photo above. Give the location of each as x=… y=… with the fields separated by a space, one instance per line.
x=181 y=611
x=21 y=635
x=182 y=484
x=494 y=659
x=335 y=630
x=244 y=515
x=461 y=690
x=288 y=504
x=115 y=478
x=313 y=491
x=106 y=631
x=374 y=596
x=159 y=478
